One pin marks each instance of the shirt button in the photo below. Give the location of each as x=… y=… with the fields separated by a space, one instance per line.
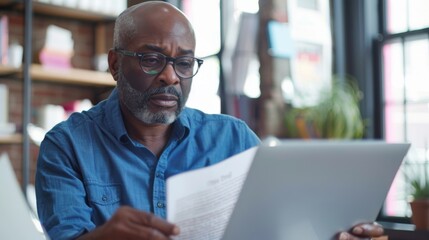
x=160 y=205
x=104 y=198
x=158 y=174
x=123 y=139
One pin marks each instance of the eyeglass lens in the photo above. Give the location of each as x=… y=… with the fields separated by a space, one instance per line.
x=184 y=67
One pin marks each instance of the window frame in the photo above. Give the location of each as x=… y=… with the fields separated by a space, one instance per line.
x=385 y=39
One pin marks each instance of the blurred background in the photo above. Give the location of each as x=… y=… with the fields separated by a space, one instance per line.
x=305 y=69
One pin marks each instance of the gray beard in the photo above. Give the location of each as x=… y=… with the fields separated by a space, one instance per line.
x=137 y=102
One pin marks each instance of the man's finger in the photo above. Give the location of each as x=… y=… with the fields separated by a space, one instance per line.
x=150 y=220
x=144 y=232
x=368 y=230
x=346 y=236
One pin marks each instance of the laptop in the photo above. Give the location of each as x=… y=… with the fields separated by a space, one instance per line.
x=17 y=221
x=313 y=190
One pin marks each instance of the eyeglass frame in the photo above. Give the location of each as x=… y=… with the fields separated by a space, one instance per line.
x=167 y=60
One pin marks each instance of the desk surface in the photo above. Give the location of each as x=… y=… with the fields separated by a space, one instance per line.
x=406 y=234
x=403 y=231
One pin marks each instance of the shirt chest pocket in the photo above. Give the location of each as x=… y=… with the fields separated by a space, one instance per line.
x=103 y=194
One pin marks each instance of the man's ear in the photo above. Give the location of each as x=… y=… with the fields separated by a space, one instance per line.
x=113 y=64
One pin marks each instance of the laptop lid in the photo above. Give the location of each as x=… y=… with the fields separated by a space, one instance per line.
x=16 y=218
x=313 y=189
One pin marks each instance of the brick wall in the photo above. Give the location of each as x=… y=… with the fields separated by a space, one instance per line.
x=47 y=92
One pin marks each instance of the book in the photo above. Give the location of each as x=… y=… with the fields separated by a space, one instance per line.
x=6 y=128
x=4 y=39
x=4 y=104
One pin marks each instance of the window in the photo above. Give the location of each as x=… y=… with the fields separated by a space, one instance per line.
x=205 y=18
x=405 y=61
x=210 y=26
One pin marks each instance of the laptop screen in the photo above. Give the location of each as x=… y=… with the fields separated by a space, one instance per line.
x=313 y=189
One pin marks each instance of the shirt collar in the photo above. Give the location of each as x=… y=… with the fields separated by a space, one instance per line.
x=113 y=117
x=181 y=126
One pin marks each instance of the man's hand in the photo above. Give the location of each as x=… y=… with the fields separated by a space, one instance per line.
x=363 y=231
x=129 y=223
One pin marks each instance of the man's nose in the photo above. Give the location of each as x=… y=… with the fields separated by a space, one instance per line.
x=168 y=75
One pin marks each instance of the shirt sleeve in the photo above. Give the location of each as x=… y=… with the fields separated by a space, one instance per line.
x=60 y=193
x=250 y=139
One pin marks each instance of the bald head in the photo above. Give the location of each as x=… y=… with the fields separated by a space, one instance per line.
x=149 y=16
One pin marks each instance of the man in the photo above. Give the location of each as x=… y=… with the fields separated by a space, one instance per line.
x=101 y=174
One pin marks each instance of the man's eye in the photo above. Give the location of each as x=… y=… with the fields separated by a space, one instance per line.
x=150 y=61
x=185 y=63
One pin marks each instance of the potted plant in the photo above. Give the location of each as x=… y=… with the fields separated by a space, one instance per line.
x=417 y=176
x=337 y=116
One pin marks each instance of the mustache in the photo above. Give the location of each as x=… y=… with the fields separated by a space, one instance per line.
x=162 y=90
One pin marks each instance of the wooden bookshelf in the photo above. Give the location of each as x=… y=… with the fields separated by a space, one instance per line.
x=60 y=11
x=8 y=70
x=72 y=76
x=97 y=82
x=63 y=11
x=11 y=139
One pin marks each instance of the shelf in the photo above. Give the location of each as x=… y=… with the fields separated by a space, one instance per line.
x=63 y=76
x=62 y=11
x=8 y=70
x=72 y=76
x=11 y=139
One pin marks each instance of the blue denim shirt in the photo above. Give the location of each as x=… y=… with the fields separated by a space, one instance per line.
x=88 y=166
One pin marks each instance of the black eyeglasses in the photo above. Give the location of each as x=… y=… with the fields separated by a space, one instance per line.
x=154 y=63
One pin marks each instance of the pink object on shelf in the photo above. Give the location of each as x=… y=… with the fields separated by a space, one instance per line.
x=57 y=59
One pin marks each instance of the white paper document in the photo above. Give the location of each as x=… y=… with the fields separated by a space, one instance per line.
x=200 y=202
